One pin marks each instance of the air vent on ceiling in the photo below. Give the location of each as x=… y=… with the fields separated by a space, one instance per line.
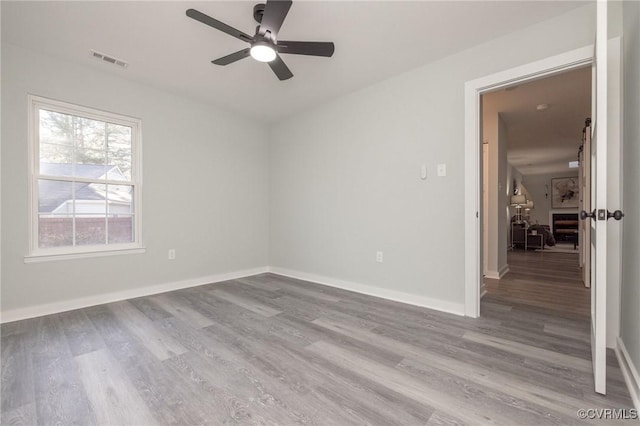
x=109 y=59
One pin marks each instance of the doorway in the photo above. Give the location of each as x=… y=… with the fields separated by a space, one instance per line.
x=474 y=90
x=532 y=133
x=605 y=191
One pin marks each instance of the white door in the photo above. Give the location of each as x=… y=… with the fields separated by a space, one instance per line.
x=599 y=203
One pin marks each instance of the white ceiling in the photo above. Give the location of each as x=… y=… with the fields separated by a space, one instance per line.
x=374 y=41
x=544 y=141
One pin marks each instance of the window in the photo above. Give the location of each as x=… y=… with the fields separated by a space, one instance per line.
x=85 y=180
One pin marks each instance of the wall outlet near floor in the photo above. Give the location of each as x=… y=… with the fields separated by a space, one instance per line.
x=172 y=254
x=379 y=256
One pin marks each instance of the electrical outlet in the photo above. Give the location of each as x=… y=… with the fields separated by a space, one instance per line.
x=379 y=257
x=442 y=170
x=172 y=254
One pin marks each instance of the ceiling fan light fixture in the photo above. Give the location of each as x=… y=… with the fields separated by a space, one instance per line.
x=262 y=51
x=264 y=46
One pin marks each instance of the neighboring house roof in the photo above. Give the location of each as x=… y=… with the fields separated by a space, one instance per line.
x=53 y=193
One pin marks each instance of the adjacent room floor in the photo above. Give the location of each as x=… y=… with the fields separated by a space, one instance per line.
x=273 y=350
x=551 y=282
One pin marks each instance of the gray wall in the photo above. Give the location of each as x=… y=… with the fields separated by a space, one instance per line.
x=630 y=292
x=345 y=176
x=205 y=179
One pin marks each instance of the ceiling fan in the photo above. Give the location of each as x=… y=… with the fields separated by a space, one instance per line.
x=265 y=45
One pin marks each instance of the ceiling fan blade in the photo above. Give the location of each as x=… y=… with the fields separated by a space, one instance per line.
x=280 y=68
x=229 y=59
x=313 y=48
x=274 y=13
x=208 y=20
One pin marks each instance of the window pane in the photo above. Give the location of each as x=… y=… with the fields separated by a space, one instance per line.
x=90 y=230
x=55 y=231
x=119 y=151
x=120 y=213
x=90 y=213
x=89 y=156
x=82 y=147
x=55 y=213
x=120 y=199
x=90 y=134
x=59 y=160
x=120 y=229
x=73 y=169
x=70 y=130
x=56 y=128
x=52 y=156
x=55 y=197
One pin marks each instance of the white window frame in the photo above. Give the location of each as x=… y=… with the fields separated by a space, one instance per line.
x=37 y=254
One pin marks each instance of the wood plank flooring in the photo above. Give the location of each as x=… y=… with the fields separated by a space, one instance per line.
x=549 y=281
x=274 y=350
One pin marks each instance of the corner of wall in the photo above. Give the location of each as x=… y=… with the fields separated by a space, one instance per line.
x=629 y=372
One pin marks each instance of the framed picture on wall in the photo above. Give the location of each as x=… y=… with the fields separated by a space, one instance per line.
x=565 y=193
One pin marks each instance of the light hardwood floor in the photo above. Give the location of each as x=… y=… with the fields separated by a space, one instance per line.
x=273 y=350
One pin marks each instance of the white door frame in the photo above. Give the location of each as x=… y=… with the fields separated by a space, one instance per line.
x=473 y=155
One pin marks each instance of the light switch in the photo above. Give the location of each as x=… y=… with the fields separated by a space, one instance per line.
x=442 y=169
x=423 y=172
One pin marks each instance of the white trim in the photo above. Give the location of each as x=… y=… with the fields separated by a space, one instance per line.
x=599 y=94
x=397 y=296
x=84 y=302
x=503 y=271
x=473 y=89
x=99 y=299
x=629 y=372
x=34 y=104
x=496 y=275
x=614 y=188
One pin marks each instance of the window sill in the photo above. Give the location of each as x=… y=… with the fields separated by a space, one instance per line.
x=37 y=258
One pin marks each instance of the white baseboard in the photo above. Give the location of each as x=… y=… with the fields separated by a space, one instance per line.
x=503 y=271
x=630 y=373
x=83 y=302
x=496 y=275
x=99 y=299
x=397 y=296
x=483 y=289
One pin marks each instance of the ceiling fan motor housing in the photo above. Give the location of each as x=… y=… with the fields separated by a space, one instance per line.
x=258 y=12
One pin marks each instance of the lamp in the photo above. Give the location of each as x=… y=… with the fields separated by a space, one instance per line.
x=527 y=209
x=518 y=201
